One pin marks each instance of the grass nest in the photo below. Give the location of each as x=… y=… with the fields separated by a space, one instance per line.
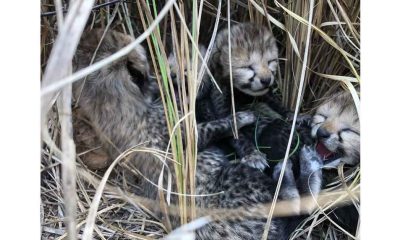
x=69 y=188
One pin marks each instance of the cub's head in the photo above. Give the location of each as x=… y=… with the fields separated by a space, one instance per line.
x=254 y=56
x=129 y=72
x=337 y=128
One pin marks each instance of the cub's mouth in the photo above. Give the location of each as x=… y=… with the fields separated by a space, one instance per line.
x=248 y=89
x=326 y=154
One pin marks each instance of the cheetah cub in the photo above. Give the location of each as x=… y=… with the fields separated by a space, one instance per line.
x=254 y=56
x=336 y=125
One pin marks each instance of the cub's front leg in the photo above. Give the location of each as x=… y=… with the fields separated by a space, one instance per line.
x=217 y=129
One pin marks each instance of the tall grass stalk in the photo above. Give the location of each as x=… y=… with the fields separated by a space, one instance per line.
x=185 y=158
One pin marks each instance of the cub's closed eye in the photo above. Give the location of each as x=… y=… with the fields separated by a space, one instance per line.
x=273 y=60
x=350 y=130
x=322 y=115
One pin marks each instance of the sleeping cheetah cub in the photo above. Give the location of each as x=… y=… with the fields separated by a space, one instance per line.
x=254 y=56
x=336 y=126
x=113 y=99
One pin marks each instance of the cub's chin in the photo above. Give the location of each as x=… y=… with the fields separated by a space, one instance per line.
x=254 y=93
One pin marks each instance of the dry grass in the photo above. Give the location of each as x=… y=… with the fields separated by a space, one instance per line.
x=315 y=61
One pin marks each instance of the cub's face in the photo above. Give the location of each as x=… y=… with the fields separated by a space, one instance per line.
x=336 y=125
x=254 y=56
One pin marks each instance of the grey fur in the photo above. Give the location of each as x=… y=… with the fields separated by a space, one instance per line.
x=254 y=57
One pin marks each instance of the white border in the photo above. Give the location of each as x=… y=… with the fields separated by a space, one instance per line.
x=20 y=139
x=380 y=119
x=20 y=105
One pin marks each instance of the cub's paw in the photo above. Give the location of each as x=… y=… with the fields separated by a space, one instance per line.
x=310 y=160
x=304 y=120
x=278 y=169
x=245 y=118
x=301 y=120
x=256 y=159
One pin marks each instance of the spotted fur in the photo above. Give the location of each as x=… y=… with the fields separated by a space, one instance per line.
x=114 y=101
x=244 y=186
x=254 y=56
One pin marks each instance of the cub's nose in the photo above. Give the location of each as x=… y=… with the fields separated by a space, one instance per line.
x=265 y=81
x=323 y=133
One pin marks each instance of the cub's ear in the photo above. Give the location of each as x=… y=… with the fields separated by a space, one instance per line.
x=215 y=55
x=138 y=77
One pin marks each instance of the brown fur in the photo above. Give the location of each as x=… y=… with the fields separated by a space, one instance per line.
x=116 y=106
x=88 y=145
